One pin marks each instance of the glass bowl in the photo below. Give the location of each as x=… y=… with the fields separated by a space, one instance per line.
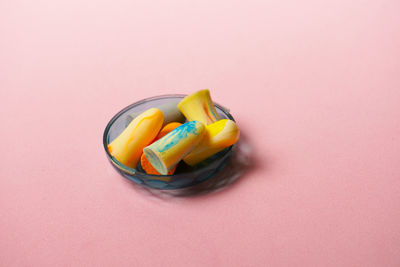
x=185 y=175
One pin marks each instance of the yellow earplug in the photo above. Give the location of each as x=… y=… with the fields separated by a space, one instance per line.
x=199 y=107
x=166 y=152
x=128 y=146
x=219 y=135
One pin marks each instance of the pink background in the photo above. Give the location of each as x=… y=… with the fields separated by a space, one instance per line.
x=314 y=86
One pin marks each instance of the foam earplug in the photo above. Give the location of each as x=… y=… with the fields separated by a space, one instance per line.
x=144 y=162
x=199 y=106
x=165 y=153
x=218 y=136
x=141 y=131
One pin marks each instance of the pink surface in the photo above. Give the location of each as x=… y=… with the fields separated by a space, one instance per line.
x=314 y=86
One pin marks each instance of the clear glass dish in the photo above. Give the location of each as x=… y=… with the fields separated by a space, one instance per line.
x=184 y=176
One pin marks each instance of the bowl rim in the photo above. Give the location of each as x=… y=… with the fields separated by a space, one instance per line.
x=136 y=172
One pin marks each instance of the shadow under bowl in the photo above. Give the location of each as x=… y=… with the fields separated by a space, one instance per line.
x=185 y=175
